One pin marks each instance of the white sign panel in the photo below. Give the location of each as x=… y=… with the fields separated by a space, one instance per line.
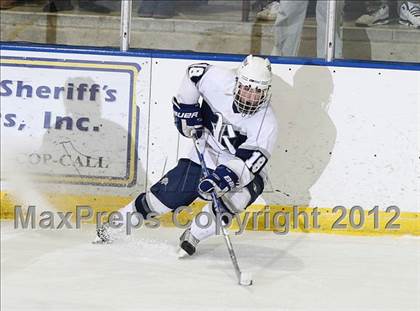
x=70 y=121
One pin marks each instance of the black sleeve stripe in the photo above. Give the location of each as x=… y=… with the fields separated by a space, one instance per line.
x=253 y=148
x=244 y=154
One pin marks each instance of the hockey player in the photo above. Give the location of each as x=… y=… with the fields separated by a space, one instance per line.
x=236 y=124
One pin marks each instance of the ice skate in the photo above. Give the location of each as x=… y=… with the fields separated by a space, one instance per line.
x=188 y=243
x=107 y=235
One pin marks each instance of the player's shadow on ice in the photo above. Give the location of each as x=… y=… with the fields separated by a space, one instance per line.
x=306 y=137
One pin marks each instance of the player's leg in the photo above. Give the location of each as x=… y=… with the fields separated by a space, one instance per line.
x=233 y=203
x=177 y=188
x=288 y=27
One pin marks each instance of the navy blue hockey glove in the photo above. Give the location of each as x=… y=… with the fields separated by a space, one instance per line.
x=221 y=181
x=188 y=118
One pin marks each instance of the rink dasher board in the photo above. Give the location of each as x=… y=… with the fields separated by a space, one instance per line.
x=341 y=133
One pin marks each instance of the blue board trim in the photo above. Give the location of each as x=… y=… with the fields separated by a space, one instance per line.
x=205 y=56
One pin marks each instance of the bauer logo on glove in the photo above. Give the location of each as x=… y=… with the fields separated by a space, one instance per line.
x=188 y=118
x=221 y=181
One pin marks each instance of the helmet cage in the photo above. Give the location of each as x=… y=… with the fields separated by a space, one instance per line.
x=250 y=96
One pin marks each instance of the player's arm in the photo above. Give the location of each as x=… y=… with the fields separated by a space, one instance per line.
x=250 y=159
x=187 y=113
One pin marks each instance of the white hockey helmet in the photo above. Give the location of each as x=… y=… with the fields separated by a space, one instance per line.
x=253 y=84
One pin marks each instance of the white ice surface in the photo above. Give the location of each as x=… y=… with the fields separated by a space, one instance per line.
x=62 y=270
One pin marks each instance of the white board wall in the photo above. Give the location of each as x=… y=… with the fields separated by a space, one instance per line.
x=348 y=136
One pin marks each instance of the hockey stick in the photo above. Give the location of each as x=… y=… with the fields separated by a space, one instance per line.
x=243 y=278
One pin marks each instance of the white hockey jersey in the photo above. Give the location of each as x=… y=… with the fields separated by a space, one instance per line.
x=243 y=143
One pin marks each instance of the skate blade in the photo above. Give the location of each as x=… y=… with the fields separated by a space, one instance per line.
x=180 y=253
x=101 y=242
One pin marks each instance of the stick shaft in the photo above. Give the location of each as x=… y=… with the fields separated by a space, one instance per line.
x=216 y=203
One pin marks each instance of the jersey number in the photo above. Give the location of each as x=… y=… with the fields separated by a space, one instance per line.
x=256 y=162
x=195 y=72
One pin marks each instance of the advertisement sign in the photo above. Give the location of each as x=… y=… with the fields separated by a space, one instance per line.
x=69 y=121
